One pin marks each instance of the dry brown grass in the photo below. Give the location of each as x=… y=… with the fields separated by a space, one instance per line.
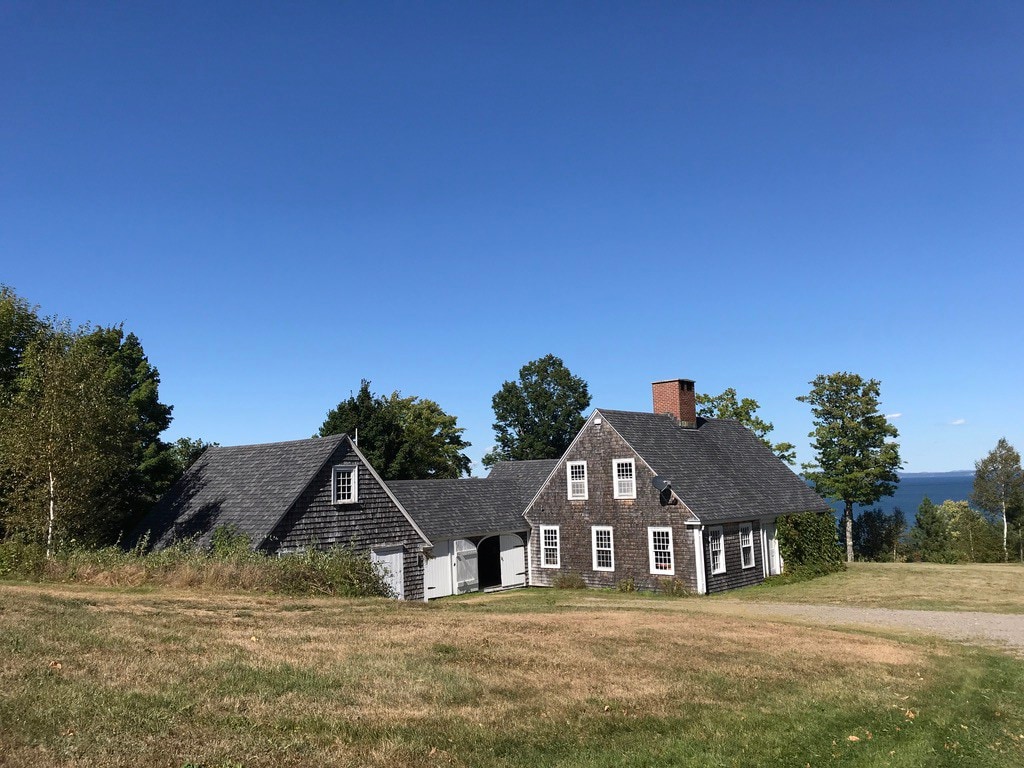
x=333 y=682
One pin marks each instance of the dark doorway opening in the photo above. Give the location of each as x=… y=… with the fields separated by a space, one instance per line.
x=489 y=562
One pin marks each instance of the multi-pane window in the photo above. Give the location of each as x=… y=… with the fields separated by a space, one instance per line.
x=747 y=545
x=659 y=545
x=550 y=556
x=577 y=474
x=716 y=550
x=624 y=478
x=345 y=485
x=603 y=548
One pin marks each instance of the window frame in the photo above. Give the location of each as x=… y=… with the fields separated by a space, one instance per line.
x=569 y=465
x=544 y=547
x=749 y=527
x=652 y=561
x=716 y=531
x=616 y=463
x=336 y=471
x=594 y=530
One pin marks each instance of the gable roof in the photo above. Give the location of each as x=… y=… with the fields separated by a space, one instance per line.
x=447 y=509
x=248 y=486
x=719 y=469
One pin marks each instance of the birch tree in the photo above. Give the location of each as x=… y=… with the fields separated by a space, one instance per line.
x=999 y=486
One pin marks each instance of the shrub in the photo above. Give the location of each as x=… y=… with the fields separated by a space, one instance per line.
x=809 y=544
x=673 y=587
x=569 y=581
x=627 y=585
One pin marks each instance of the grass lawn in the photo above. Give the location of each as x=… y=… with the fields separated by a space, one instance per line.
x=105 y=677
x=996 y=588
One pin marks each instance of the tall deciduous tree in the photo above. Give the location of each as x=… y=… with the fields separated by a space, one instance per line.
x=19 y=324
x=538 y=416
x=67 y=440
x=999 y=486
x=856 y=459
x=972 y=538
x=728 y=405
x=404 y=438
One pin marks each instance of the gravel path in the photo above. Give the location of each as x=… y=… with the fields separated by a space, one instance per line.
x=1005 y=630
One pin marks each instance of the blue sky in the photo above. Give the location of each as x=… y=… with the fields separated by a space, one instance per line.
x=281 y=199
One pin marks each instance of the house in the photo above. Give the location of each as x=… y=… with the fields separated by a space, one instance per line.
x=287 y=497
x=291 y=496
x=661 y=496
x=641 y=497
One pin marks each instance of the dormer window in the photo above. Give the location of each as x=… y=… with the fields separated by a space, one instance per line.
x=576 y=472
x=345 y=485
x=624 y=479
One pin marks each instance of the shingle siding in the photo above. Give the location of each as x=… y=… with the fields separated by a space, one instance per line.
x=735 y=574
x=374 y=521
x=628 y=518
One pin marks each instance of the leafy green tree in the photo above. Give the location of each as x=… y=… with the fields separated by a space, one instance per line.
x=67 y=442
x=972 y=538
x=877 y=535
x=930 y=534
x=404 y=438
x=185 y=451
x=538 y=416
x=19 y=324
x=999 y=486
x=727 y=405
x=856 y=460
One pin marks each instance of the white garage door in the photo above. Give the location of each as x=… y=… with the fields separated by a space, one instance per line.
x=391 y=562
x=437 y=575
x=513 y=561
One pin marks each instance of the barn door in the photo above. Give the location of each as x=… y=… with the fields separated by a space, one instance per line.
x=466 y=569
x=437 y=576
x=513 y=561
x=391 y=561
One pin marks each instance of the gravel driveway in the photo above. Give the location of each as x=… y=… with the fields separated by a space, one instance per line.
x=999 y=629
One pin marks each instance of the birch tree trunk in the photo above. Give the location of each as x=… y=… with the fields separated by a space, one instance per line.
x=848 y=520
x=49 y=525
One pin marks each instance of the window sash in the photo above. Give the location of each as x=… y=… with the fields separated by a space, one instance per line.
x=576 y=479
x=603 y=548
x=747 y=545
x=716 y=550
x=624 y=479
x=662 y=557
x=550 y=551
x=345 y=485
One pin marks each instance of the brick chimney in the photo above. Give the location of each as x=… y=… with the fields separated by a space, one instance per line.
x=677 y=398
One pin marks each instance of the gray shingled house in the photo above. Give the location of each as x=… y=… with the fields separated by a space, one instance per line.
x=664 y=496
x=435 y=537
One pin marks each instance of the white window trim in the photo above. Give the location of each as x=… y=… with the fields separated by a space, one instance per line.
x=593 y=546
x=568 y=481
x=615 y=478
x=671 y=571
x=558 y=547
x=721 y=549
x=749 y=528
x=354 y=469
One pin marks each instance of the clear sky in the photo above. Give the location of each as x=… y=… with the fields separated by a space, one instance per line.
x=280 y=199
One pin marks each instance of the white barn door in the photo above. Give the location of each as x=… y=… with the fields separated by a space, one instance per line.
x=465 y=568
x=392 y=564
x=437 y=576
x=513 y=561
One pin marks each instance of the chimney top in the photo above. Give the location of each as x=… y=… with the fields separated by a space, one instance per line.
x=677 y=398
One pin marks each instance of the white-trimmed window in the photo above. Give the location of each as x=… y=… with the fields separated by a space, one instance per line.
x=550 y=552
x=603 y=546
x=576 y=472
x=345 y=485
x=624 y=478
x=747 y=545
x=716 y=549
x=659 y=547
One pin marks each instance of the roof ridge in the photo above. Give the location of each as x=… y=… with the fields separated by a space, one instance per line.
x=337 y=438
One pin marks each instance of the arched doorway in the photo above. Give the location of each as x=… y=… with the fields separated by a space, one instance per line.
x=502 y=561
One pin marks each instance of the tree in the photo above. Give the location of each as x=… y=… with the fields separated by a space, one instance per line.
x=728 y=406
x=972 y=538
x=67 y=442
x=538 y=416
x=404 y=438
x=856 y=463
x=877 y=534
x=930 y=534
x=999 y=485
x=185 y=451
x=19 y=324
